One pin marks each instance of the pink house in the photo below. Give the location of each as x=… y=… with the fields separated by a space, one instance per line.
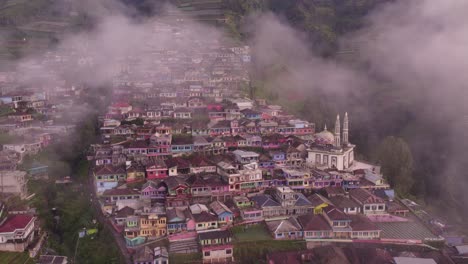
x=151 y=190
x=156 y=169
x=45 y=139
x=273 y=141
x=214 y=107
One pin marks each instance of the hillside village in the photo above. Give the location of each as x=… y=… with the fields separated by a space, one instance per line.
x=186 y=157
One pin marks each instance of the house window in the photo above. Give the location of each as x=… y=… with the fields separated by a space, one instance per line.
x=207 y=253
x=367 y=207
x=229 y=251
x=381 y=207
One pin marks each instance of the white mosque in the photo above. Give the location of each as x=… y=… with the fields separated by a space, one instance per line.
x=330 y=149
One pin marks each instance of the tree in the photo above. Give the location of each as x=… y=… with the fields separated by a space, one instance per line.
x=394 y=155
x=138 y=121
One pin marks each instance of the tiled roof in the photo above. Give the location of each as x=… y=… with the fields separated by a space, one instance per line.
x=286 y=225
x=317 y=199
x=15 y=222
x=364 y=196
x=117 y=191
x=198 y=161
x=180 y=213
x=205 y=217
x=334 y=191
x=124 y=212
x=313 y=222
x=264 y=200
x=182 y=140
x=138 y=144
x=362 y=223
x=214 y=235
x=157 y=163
x=302 y=200
x=219 y=208
x=342 y=202
x=335 y=214
x=174 y=181
x=109 y=169
x=179 y=162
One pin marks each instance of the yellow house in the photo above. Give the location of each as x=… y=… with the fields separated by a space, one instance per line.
x=135 y=173
x=319 y=202
x=152 y=226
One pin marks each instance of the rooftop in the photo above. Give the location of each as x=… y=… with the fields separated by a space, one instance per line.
x=15 y=222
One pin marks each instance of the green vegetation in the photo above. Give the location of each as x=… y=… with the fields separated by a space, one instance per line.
x=117 y=139
x=256 y=251
x=250 y=233
x=8 y=138
x=185 y=258
x=396 y=159
x=73 y=206
x=137 y=121
x=5 y=110
x=322 y=21
x=75 y=212
x=253 y=243
x=15 y=257
x=14 y=12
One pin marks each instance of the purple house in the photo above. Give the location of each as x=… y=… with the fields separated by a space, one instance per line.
x=179 y=220
x=151 y=190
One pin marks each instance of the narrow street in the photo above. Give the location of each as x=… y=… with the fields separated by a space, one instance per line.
x=119 y=239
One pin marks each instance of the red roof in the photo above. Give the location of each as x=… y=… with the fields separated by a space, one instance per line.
x=312 y=222
x=15 y=222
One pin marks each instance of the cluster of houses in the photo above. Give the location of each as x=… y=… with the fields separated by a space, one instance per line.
x=222 y=163
x=185 y=156
x=31 y=119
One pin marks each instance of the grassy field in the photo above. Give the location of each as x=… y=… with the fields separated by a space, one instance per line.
x=185 y=258
x=256 y=251
x=250 y=233
x=15 y=257
x=252 y=244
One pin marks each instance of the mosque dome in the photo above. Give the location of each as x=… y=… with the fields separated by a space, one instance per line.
x=324 y=138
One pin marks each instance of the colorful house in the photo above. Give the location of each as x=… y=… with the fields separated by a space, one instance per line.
x=370 y=203
x=319 y=202
x=225 y=215
x=251 y=114
x=153 y=226
x=108 y=176
x=179 y=220
x=119 y=194
x=205 y=221
x=16 y=232
x=178 y=192
x=181 y=144
x=152 y=190
x=135 y=172
x=315 y=227
x=156 y=169
x=216 y=246
x=285 y=229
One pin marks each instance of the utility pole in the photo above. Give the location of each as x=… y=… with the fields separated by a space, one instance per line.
x=251 y=90
x=76 y=249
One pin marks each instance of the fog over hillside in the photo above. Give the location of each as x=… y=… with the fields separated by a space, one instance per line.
x=410 y=81
x=418 y=50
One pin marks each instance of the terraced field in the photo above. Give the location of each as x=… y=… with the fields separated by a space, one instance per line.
x=15 y=257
